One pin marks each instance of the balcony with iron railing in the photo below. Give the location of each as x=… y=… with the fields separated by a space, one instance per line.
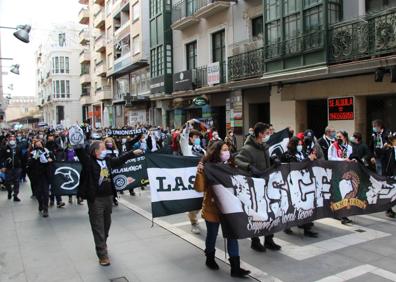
x=246 y=65
x=83 y=16
x=366 y=37
x=186 y=13
x=201 y=73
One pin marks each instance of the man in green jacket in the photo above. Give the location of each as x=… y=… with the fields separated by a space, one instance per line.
x=254 y=158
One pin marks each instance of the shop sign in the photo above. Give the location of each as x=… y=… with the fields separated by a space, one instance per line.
x=341 y=108
x=157 y=85
x=183 y=81
x=200 y=101
x=213 y=71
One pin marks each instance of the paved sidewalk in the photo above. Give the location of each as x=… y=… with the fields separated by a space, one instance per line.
x=61 y=247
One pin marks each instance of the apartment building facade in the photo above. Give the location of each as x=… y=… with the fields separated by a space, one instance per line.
x=58 y=77
x=115 y=91
x=294 y=63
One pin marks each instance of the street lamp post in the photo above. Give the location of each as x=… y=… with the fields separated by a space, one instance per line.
x=22 y=32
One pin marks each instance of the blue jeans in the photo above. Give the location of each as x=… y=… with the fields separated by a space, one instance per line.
x=378 y=166
x=212 y=229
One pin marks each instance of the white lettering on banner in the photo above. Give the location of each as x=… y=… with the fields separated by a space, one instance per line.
x=302 y=189
x=167 y=184
x=277 y=192
x=127 y=169
x=380 y=190
x=322 y=179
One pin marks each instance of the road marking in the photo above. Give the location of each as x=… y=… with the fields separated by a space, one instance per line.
x=326 y=246
x=383 y=220
x=359 y=271
x=256 y=273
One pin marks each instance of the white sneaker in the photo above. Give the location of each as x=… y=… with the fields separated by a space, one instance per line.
x=195 y=228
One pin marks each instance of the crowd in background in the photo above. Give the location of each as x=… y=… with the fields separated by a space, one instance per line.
x=30 y=153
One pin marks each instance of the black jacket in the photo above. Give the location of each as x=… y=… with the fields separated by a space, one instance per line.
x=324 y=145
x=390 y=162
x=11 y=157
x=377 y=152
x=35 y=169
x=90 y=173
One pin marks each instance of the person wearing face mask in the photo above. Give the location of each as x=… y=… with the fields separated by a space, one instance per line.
x=217 y=153
x=97 y=187
x=297 y=152
x=52 y=147
x=250 y=133
x=326 y=140
x=340 y=150
x=254 y=158
x=190 y=145
x=12 y=161
x=311 y=145
x=231 y=141
x=23 y=144
x=141 y=144
x=215 y=138
x=40 y=171
x=379 y=139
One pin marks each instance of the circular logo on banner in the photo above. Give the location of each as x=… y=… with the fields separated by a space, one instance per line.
x=120 y=182
x=71 y=177
x=76 y=135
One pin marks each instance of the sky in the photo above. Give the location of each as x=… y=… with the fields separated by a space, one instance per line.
x=41 y=15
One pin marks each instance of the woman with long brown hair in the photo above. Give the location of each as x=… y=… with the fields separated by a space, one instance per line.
x=218 y=152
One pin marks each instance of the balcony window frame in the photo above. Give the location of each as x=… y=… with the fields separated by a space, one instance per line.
x=191 y=55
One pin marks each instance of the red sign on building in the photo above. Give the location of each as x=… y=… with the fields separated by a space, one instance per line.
x=341 y=108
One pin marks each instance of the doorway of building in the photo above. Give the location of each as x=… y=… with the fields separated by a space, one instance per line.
x=317 y=116
x=259 y=113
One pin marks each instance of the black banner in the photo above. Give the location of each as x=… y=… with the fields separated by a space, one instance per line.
x=125 y=132
x=294 y=194
x=131 y=175
x=66 y=178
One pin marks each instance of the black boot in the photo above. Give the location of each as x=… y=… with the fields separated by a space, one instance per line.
x=256 y=245
x=270 y=244
x=236 y=270
x=9 y=195
x=211 y=262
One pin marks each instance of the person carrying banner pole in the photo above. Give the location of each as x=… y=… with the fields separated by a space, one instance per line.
x=219 y=152
x=190 y=145
x=254 y=158
x=97 y=187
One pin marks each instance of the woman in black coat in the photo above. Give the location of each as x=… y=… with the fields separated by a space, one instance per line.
x=389 y=153
x=97 y=187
